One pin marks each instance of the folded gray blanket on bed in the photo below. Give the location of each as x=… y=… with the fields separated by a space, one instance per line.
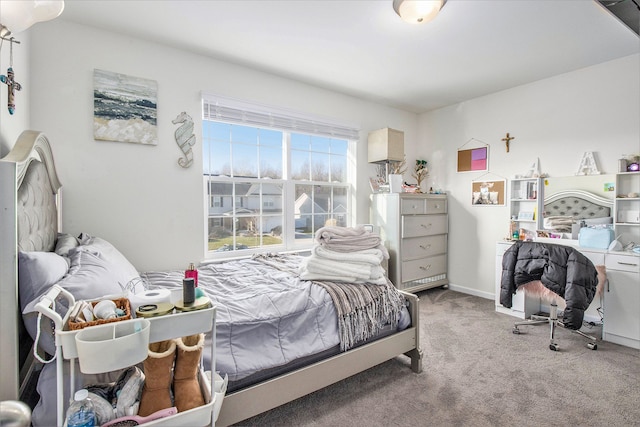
x=347 y=239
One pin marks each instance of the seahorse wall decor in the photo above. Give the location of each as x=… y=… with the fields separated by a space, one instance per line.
x=185 y=138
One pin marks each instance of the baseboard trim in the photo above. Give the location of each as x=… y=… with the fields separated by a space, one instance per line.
x=487 y=295
x=470 y=291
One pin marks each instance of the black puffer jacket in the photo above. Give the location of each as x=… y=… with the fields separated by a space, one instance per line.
x=561 y=269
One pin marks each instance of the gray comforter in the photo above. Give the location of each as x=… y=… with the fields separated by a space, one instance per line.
x=266 y=315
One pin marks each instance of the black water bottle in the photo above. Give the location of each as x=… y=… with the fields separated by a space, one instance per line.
x=188 y=291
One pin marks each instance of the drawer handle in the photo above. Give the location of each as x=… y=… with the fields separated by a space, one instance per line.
x=425 y=226
x=425 y=247
x=628 y=263
x=422 y=267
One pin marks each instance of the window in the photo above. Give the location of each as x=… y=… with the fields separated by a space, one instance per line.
x=271 y=185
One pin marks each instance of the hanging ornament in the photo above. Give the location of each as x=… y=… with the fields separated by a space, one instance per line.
x=9 y=80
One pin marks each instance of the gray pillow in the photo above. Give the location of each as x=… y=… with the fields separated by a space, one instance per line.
x=90 y=276
x=37 y=272
x=120 y=265
x=64 y=243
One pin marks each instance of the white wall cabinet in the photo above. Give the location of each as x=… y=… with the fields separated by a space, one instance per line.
x=626 y=215
x=414 y=227
x=526 y=206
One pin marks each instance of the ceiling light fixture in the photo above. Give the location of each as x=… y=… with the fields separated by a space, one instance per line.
x=17 y=16
x=418 y=11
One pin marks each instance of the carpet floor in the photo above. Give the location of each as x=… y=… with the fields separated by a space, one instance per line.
x=478 y=373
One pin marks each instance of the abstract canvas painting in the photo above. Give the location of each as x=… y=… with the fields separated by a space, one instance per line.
x=124 y=108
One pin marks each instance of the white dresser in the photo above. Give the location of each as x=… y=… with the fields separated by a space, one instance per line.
x=621 y=297
x=414 y=228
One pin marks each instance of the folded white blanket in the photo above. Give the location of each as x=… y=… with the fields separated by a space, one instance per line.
x=358 y=270
x=307 y=275
x=366 y=256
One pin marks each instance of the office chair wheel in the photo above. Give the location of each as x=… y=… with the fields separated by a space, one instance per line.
x=554 y=347
x=515 y=330
x=592 y=346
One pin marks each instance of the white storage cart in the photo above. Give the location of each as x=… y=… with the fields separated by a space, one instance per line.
x=129 y=339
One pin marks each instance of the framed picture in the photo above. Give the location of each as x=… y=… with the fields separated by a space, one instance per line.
x=473 y=160
x=525 y=216
x=488 y=193
x=124 y=108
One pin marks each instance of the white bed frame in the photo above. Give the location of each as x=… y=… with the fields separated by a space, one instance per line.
x=31 y=146
x=238 y=405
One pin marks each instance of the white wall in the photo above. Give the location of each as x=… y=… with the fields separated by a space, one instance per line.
x=11 y=126
x=137 y=196
x=556 y=120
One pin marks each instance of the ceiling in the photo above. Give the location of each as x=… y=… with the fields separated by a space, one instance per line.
x=362 y=48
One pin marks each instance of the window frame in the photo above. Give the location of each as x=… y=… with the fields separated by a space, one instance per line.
x=289 y=241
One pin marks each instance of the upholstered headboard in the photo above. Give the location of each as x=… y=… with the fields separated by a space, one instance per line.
x=29 y=221
x=577 y=204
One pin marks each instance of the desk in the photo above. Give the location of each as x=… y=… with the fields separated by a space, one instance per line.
x=621 y=299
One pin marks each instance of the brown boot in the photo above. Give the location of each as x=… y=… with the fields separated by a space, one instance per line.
x=186 y=388
x=156 y=393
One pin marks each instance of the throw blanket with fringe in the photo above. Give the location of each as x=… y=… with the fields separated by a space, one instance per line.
x=363 y=309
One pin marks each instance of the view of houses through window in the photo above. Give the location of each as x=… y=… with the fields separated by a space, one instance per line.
x=270 y=189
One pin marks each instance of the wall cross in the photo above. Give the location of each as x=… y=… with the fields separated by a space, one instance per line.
x=13 y=86
x=506 y=140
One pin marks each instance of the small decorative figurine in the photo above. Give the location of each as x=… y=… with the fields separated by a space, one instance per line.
x=420 y=172
x=185 y=138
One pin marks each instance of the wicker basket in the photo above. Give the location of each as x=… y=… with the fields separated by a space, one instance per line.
x=121 y=303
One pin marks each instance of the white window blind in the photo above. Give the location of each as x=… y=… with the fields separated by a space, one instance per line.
x=230 y=110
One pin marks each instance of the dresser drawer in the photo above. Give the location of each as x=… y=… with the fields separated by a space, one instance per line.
x=423 y=225
x=622 y=263
x=420 y=206
x=420 y=247
x=436 y=206
x=424 y=267
x=413 y=206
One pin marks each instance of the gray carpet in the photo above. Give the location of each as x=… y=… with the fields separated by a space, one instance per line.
x=477 y=373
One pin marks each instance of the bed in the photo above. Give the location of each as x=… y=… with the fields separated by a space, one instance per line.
x=30 y=227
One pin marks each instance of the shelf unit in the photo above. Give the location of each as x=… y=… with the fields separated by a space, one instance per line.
x=526 y=203
x=627 y=209
x=160 y=328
